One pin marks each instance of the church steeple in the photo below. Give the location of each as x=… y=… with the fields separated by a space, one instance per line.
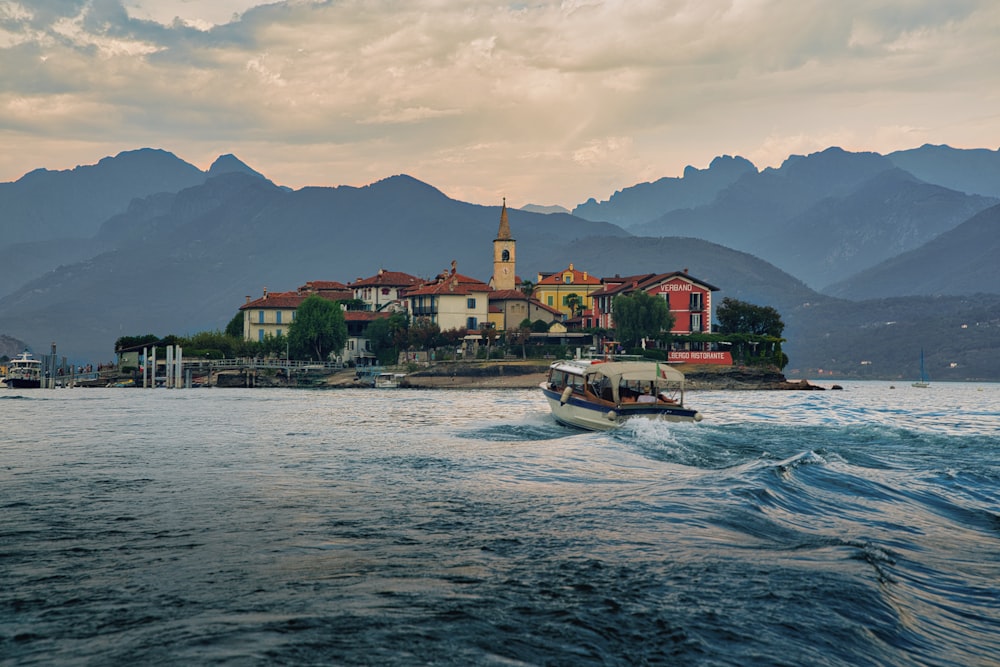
x=504 y=233
x=504 y=248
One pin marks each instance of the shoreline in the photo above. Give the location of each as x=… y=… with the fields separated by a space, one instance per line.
x=510 y=374
x=529 y=375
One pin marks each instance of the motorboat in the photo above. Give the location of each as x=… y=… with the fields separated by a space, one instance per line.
x=24 y=372
x=387 y=380
x=601 y=395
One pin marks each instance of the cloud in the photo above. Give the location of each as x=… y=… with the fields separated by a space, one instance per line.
x=571 y=97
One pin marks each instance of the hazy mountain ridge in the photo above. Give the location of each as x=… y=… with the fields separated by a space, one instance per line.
x=888 y=214
x=54 y=217
x=824 y=216
x=975 y=244
x=645 y=201
x=44 y=205
x=973 y=171
x=179 y=262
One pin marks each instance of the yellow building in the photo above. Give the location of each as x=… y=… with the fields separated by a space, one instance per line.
x=552 y=289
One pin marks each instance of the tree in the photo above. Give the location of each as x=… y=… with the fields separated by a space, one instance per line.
x=126 y=342
x=527 y=288
x=740 y=317
x=235 y=326
x=574 y=302
x=639 y=316
x=520 y=336
x=423 y=334
x=318 y=329
x=384 y=336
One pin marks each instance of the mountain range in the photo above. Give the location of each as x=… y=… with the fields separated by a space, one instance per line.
x=144 y=242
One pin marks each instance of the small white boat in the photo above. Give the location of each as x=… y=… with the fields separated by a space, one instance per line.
x=602 y=395
x=24 y=372
x=387 y=380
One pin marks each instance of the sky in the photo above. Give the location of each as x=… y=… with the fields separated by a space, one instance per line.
x=540 y=102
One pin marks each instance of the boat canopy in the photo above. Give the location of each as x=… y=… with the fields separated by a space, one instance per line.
x=622 y=371
x=637 y=371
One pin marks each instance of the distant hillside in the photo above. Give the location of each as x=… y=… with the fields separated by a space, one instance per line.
x=973 y=171
x=11 y=347
x=824 y=216
x=49 y=217
x=949 y=264
x=538 y=208
x=889 y=214
x=645 y=201
x=44 y=205
x=882 y=338
x=758 y=204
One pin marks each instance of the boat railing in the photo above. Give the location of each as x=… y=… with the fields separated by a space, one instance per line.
x=598 y=356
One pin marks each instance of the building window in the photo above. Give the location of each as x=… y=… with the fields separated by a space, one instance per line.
x=260 y=317
x=696 y=303
x=350 y=345
x=277 y=317
x=471 y=324
x=505 y=255
x=470 y=303
x=567 y=279
x=695 y=322
x=277 y=333
x=549 y=301
x=260 y=335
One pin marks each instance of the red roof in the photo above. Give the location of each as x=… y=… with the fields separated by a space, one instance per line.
x=387 y=279
x=323 y=286
x=508 y=295
x=518 y=295
x=579 y=278
x=646 y=281
x=618 y=284
x=276 y=300
x=449 y=283
x=451 y=286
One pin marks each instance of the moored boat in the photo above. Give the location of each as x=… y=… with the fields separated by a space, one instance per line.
x=924 y=382
x=24 y=372
x=602 y=395
x=387 y=380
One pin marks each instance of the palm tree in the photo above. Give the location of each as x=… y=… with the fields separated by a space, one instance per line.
x=527 y=287
x=574 y=302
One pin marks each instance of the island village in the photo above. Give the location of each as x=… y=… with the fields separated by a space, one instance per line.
x=510 y=327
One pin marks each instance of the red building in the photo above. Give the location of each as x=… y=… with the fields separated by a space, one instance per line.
x=689 y=299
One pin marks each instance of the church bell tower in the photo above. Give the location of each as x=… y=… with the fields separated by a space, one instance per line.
x=504 y=253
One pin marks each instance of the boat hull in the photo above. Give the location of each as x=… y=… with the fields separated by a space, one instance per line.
x=23 y=383
x=578 y=412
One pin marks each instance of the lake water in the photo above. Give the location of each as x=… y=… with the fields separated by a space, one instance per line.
x=400 y=527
